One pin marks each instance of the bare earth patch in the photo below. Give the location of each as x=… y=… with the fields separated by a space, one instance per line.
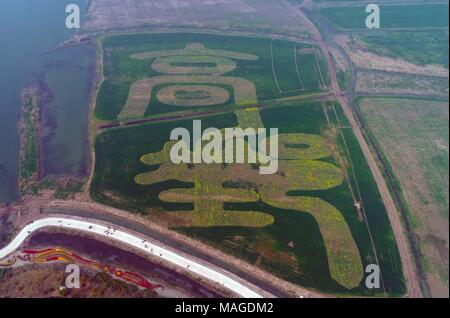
x=249 y=15
x=380 y=82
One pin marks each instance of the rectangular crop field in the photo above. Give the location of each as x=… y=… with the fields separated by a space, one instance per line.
x=312 y=72
x=286 y=73
x=414 y=138
x=391 y=16
x=415 y=47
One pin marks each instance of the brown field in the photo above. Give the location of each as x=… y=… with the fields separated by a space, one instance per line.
x=248 y=15
x=380 y=82
x=367 y=60
x=413 y=135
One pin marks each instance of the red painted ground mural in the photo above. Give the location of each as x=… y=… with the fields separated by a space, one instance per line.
x=66 y=256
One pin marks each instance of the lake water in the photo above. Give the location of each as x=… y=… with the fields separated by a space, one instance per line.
x=29 y=33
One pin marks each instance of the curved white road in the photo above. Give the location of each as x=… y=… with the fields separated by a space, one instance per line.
x=134 y=241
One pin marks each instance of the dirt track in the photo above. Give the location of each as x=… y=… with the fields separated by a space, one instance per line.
x=409 y=267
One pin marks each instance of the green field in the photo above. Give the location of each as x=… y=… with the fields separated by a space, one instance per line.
x=391 y=16
x=285 y=66
x=305 y=223
x=378 y=221
x=288 y=239
x=416 y=47
x=311 y=71
x=128 y=59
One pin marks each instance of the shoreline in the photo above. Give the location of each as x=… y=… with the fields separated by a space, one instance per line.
x=41 y=181
x=32 y=97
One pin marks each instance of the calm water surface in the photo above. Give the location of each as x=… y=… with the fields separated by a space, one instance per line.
x=29 y=33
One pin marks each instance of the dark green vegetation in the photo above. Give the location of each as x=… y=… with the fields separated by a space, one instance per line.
x=121 y=71
x=285 y=66
x=28 y=160
x=312 y=70
x=292 y=247
x=415 y=47
x=375 y=212
x=297 y=68
x=31 y=183
x=191 y=95
x=392 y=16
x=342 y=77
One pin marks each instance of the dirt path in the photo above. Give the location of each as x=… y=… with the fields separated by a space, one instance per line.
x=409 y=267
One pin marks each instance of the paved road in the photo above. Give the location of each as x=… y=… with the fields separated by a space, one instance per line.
x=129 y=239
